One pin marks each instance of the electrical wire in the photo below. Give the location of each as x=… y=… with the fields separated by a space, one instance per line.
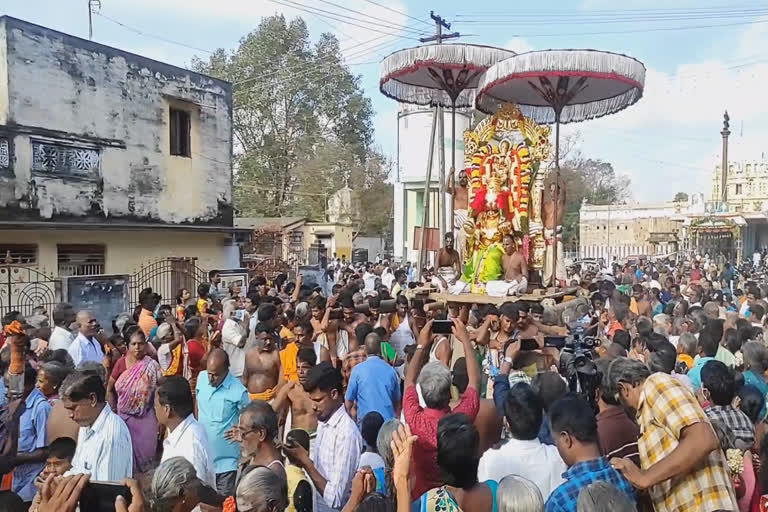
x=618 y=20
x=637 y=31
x=366 y=15
x=147 y=34
x=335 y=16
x=400 y=12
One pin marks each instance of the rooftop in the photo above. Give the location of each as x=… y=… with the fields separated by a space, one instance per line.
x=70 y=40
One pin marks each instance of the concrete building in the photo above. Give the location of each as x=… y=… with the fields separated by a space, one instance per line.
x=289 y=238
x=414 y=125
x=747 y=183
x=108 y=159
x=618 y=231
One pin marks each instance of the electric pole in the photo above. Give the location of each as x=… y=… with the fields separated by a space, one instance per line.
x=92 y=4
x=437 y=111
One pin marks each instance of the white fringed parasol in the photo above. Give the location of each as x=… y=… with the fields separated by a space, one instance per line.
x=562 y=86
x=439 y=75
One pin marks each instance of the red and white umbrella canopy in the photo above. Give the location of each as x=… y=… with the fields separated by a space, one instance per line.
x=583 y=84
x=438 y=74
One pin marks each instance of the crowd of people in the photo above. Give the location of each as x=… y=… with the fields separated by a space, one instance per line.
x=644 y=390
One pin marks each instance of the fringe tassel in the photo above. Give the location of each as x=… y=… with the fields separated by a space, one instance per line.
x=405 y=74
x=614 y=82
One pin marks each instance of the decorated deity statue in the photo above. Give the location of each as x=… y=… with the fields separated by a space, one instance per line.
x=502 y=156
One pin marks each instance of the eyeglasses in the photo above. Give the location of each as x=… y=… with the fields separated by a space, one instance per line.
x=240 y=433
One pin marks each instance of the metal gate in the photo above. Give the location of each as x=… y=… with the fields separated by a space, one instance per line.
x=24 y=289
x=167 y=277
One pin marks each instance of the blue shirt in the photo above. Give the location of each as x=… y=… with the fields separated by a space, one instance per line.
x=31 y=438
x=580 y=475
x=695 y=373
x=374 y=385
x=217 y=410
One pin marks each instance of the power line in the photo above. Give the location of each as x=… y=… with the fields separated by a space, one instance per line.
x=400 y=12
x=608 y=12
x=336 y=16
x=147 y=34
x=366 y=15
x=617 y=20
x=309 y=68
x=578 y=20
x=636 y=31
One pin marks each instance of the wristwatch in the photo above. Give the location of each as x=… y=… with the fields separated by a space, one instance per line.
x=508 y=360
x=419 y=347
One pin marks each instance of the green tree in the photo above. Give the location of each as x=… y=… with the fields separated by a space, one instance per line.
x=681 y=197
x=594 y=181
x=294 y=105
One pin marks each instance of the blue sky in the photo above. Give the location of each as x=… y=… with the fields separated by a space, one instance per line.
x=669 y=141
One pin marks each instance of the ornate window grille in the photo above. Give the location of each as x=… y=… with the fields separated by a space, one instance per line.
x=59 y=158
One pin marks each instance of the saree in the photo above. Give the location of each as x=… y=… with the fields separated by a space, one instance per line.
x=135 y=390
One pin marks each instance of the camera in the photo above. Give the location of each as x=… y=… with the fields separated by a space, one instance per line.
x=577 y=363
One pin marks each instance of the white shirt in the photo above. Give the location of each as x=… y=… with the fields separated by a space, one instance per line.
x=370 y=282
x=231 y=335
x=60 y=339
x=104 y=449
x=336 y=455
x=83 y=349
x=189 y=440
x=387 y=278
x=539 y=463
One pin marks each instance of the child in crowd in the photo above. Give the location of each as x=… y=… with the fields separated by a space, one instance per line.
x=59 y=461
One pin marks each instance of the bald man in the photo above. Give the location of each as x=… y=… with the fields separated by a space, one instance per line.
x=263 y=374
x=220 y=398
x=373 y=385
x=86 y=347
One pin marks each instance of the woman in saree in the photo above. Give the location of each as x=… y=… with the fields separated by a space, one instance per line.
x=131 y=393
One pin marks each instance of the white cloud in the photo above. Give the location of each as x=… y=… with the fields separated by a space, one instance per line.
x=518 y=45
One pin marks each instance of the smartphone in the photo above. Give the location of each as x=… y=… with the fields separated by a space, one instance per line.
x=240 y=314
x=99 y=496
x=336 y=314
x=528 y=344
x=442 y=327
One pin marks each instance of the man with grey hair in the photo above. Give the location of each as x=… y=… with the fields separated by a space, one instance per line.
x=373 y=385
x=435 y=383
x=681 y=463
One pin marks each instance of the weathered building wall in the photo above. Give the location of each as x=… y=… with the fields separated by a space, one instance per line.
x=107 y=112
x=126 y=251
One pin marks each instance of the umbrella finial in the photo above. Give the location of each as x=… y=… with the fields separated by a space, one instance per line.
x=726 y=119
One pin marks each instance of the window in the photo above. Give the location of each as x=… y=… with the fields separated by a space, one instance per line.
x=18 y=254
x=65 y=158
x=738 y=189
x=80 y=260
x=180 y=133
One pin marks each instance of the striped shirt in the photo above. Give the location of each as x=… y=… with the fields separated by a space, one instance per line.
x=617 y=434
x=104 y=449
x=336 y=455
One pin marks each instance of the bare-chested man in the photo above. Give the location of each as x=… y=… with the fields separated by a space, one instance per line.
x=552 y=214
x=448 y=266
x=460 y=205
x=262 y=375
x=292 y=397
x=515 y=272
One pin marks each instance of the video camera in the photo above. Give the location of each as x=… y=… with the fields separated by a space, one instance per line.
x=577 y=361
